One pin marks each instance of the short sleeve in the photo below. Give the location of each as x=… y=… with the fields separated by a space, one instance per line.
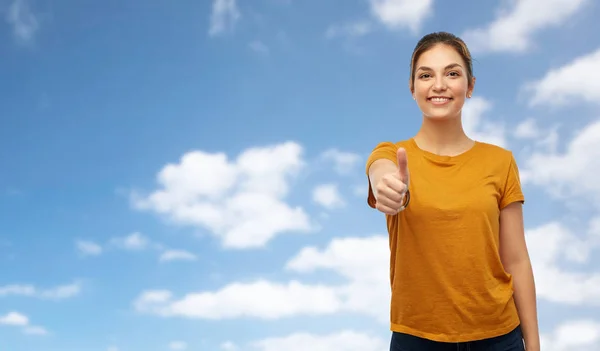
x=386 y=150
x=512 y=191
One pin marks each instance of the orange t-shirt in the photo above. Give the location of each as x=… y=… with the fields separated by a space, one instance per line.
x=448 y=282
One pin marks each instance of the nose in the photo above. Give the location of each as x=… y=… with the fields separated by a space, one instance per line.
x=439 y=83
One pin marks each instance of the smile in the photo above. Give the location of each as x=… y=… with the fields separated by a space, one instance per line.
x=439 y=100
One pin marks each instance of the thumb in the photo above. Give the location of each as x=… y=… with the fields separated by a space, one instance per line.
x=403 y=165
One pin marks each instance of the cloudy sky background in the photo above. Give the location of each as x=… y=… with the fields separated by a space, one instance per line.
x=190 y=175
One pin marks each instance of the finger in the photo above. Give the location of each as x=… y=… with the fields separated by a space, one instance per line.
x=394 y=194
x=385 y=209
x=390 y=202
x=403 y=165
x=393 y=184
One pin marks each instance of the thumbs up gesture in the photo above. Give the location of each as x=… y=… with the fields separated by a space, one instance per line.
x=392 y=187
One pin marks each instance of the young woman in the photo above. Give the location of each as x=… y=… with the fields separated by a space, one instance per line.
x=460 y=273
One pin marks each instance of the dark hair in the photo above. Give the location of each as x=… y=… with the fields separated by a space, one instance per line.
x=433 y=39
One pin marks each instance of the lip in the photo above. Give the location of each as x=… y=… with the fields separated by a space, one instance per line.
x=438 y=103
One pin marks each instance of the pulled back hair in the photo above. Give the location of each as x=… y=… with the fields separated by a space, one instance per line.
x=433 y=39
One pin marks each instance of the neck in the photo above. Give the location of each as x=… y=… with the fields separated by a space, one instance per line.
x=444 y=137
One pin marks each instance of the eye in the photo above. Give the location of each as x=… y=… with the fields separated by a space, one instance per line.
x=424 y=75
x=454 y=73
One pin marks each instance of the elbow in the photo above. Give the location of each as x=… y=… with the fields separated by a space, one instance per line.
x=515 y=258
x=517 y=264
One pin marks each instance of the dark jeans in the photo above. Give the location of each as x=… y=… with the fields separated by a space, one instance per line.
x=512 y=341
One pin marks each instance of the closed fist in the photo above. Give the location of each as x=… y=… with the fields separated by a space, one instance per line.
x=392 y=187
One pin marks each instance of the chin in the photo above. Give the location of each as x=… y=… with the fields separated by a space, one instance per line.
x=448 y=111
x=441 y=115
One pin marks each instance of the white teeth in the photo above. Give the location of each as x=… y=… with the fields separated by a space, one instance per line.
x=439 y=99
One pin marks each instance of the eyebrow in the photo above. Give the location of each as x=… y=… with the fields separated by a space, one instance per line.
x=452 y=65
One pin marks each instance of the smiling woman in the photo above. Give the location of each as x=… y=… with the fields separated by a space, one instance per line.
x=460 y=272
x=441 y=76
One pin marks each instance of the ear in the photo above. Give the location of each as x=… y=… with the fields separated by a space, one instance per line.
x=471 y=87
x=411 y=87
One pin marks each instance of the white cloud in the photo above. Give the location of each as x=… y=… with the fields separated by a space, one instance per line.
x=259 y=299
x=241 y=202
x=328 y=196
x=225 y=14
x=391 y=14
x=35 y=330
x=61 y=292
x=549 y=245
x=177 y=255
x=17 y=319
x=342 y=162
x=28 y=290
x=340 y=341
x=578 y=80
x=228 y=346
x=360 y=190
x=149 y=298
x=17 y=289
x=178 y=345
x=572 y=172
x=363 y=262
x=539 y=138
x=134 y=242
x=595 y=228
x=88 y=248
x=516 y=24
x=23 y=21
x=527 y=129
x=573 y=335
x=396 y=14
x=478 y=127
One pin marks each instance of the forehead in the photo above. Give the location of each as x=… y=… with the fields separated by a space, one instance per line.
x=440 y=55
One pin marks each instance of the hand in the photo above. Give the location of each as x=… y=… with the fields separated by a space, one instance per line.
x=392 y=187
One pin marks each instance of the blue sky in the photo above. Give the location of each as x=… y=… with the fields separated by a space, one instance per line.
x=190 y=175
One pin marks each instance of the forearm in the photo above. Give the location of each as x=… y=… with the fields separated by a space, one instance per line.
x=525 y=299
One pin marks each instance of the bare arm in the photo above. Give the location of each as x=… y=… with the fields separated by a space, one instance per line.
x=516 y=261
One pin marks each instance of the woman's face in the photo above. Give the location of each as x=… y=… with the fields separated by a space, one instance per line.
x=441 y=84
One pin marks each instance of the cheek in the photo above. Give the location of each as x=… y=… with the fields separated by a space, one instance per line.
x=459 y=88
x=421 y=90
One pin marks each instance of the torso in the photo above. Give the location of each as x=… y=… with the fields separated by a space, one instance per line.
x=448 y=282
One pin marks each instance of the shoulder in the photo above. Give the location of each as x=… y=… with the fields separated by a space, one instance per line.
x=495 y=153
x=386 y=150
x=499 y=160
x=493 y=149
x=392 y=144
